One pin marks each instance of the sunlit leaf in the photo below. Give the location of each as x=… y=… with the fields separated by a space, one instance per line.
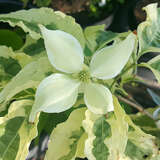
x=88 y=125
x=149 y=30
x=9 y=66
x=30 y=76
x=28 y=20
x=15 y=131
x=119 y=129
x=101 y=130
x=66 y=137
x=143 y=144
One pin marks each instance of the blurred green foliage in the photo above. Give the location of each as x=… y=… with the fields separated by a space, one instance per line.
x=96 y=7
x=10 y=39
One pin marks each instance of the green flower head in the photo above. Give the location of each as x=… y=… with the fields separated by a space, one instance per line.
x=59 y=91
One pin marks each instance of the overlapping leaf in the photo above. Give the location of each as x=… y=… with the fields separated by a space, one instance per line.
x=15 y=131
x=154 y=71
x=9 y=66
x=119 y=128
x=116 y=137
x=143 y=144
x=149 y=31
x=10 y=39
x=88 y=125
x=67 y=139
x=154 y=66
x=96 y=37
x=30 y=76
x=28 y=20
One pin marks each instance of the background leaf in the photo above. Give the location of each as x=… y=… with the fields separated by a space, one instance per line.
x=88 y=124
x=149 y=30
x=101 y=130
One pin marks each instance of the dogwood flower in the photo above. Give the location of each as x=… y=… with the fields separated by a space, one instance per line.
x=58 y=92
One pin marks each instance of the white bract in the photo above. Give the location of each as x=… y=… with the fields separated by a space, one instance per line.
x=59 y=91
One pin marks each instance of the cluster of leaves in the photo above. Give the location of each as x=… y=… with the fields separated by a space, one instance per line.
x=76 y=132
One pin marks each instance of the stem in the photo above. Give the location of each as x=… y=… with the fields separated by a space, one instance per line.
x=135 y=105
x=146 y=82
x=120 y=75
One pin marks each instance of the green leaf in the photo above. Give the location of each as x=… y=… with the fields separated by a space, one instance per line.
x=143 y=120
x=4 y=77
x=47 y=122
x=147 y=124
x=101 y=130
x=30 y=76
x=134 y=152
x=143 y=144
x=15 y=131
x=6 y=52
x=97 y=37
x=156 y=158
x=119 y=128
x=9 y=64
x=34 y=48
x=155 y=63
x=23 y=59
x=28 y=20
x=123 y=138
x=110 y=141
x=12 y=62
x=91 y=33
x=149 y=30
x=88 y=125
x=66 y=137
x=154 y=71
x=10 y=39
x=128 y=139
x=154 y=66
x=140 y=152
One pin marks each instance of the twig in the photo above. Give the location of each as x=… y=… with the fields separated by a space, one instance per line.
x=148 y=83
x=135 y=105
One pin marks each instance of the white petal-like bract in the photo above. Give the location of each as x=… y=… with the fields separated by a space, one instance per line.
x=55 y=94
x=64 y=51
x=98 y=98
x=109 y=61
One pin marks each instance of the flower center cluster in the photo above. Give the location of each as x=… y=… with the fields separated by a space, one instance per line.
x=84 y=76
